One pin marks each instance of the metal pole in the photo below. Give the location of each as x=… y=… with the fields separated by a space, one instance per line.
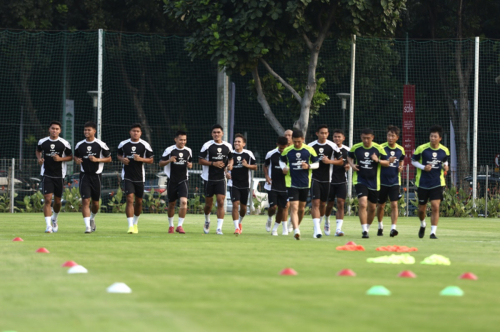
x=406 y=66
x=21 y=140
x=233 y=101
x=407 y=189
x=223 y=102
x=351 y=114
x=12 y=182
x=486 y=194
x=476 y=93
x=99 y=84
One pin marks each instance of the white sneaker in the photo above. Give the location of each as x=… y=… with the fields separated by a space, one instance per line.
x=296 y=234
x=285 y=232
x=318 y=234
x=219 y=232
x=339 y=233
x=327 y=228
x=268 y=225
x=55 y=226
x=274 y=233
x=88 y=230
x=290 y=226
x=206 y=227
x=48 y=229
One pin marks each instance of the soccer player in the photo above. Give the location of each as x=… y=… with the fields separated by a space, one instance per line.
x=52 y=153
x=390 y=180
x=134 y=153
x=328 y=152
x=365 y=158
x=177 y=159
x=276 y=188
x=288 y=135
x=431 y=161
x=239 y=180
x=91 y=153
x=297 y=162
x=338 y=185
x=215 y=156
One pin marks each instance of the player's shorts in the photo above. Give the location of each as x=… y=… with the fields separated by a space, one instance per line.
x=177 y=190
x=362 y=190
x=320 y=190
x=296 y=194
x=239 y=195
x=425 y=195
x=215 y=188
x=52 y=186
x=90 y=186
x=279 y=198
x=338 y=190
x=391 y=192
x=136 y=188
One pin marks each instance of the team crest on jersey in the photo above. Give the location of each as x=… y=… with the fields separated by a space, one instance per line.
x=321 y=150
x=52 y=146
x=367 y=154
x=89 y=148
x=181 y=154
x=297 y=155
x=393 y=153
x=134 y=148
x=219 y=150
x=434 y=154
x=238 y=158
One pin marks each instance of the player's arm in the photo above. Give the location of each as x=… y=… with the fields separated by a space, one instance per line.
x=39 y=157
x=149 y=160
x=314 y=159
x=250 y=165
x=401 y=162
x=230 y=161
x=350 y=160
x=122 y=159
x=67 y=152
x=334 y=161
x=106 y=156
x=283 y=164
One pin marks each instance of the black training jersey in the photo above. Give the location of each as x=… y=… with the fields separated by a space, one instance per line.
x=324 y=172
x=134 y=171
x=426 y=155
x=177 y=171
x=212 y=151
x=390 y=176
x=275 y=172
x=339 y=175
x=49 y=148
x=240 y=175
x=96 y=148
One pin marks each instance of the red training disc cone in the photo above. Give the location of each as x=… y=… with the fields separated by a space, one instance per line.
x=17 y=239
x=69 y=264
x=288 y=272
x=350 y=243
x=407 y=274
x=42 y=250
x=346 y=273
x=468 y=275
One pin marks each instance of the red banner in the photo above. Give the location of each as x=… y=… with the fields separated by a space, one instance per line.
x=409 y=127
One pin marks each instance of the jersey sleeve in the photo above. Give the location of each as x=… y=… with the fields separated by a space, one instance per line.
x=39 y=146
x=447 y=156
x=149 y=153
x=190 y=157
x=417 y=154
x=77 y=151
x=267 y=162
x=166 y=154
x=204 y=151
x=67 y=150
x=403 y=155
x=105 y=150
x=120 y=150
x=351 y=154
x=314 y=156
x=251 y=160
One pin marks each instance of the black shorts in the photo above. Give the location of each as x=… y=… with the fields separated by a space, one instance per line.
x=391 y=192
x=338 y=190
x=362 y=190
x=136 y=188
x=177 y=190
x=320 y=190
x=279 y=198
x=90 y=186
x=239 y=195
x=52 y=186
x=215 y=188
x=296 y=194
x=433 y=194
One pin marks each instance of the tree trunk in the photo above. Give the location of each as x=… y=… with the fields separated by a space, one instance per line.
x=302 y=123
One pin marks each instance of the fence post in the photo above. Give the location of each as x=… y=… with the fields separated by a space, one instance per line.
x=12 y=182
x=486 y=194
x=351 y=114
x=474 y=144
x=99 y=83
x=407 y=190
x=223 y=102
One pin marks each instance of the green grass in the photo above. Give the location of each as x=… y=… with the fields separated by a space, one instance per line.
x=198 y=282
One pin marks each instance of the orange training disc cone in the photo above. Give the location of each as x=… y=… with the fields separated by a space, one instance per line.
x=407 y=274
x=16 y=239
x=288 y=272
x=350 y=243
x=42 y=250
x=346 y=273
x=69 y=264
x=468 y=275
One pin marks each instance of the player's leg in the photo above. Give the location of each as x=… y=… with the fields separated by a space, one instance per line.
x=315 y=203
x=328 y=209
x=382 y=200
x=220 y=211
x=284 y=212
x=394 y=218
x=363 y=205
x=244 y=193
x=182 y=214
x=294 y=217
x=340 y=216
x=235 y=214
x=271 y=211
x=56 y=208
x=209 y=201
x=86 y=214
x=95 y=193
x=129 y=212
x=434 y=217
x=171 y=214
x=139 y=194
x=422 y=210
x=47 y=211
x=372 y=208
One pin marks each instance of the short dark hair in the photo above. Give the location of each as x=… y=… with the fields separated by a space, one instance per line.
x=90 y=124
x=321 y=127
x=394 y=130
x=136 y=125
x=180 y=133
x=297 y=133
x=240 y=136
x=367 y=131
x=217 y=126
x=338 y=131
x=436 y=129
x=282 y=140
x=55 y=123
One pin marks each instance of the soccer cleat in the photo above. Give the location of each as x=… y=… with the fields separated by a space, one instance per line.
x=130 y=230
x=327 y=228
x=92 y=224
x=421 y=232
x=380 y=232
x=48 y=229
x=88 y=230
x=206 y=227
x=433 y=236
x=285 y=232
x=55 y=226
x=171 y=230
x=241 y=228
x=365 y=235
x=317 y=235
x=297 y=234
x=339 y=233
x=393 y=233
x=219 y=232
x=237 y=232
x=275 y=233
x=268 y=225
x=180 y=230
x=136 y=229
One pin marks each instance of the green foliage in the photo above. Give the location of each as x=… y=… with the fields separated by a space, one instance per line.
x=258 y=204
x=72 y=199
x=194 y=205
x=117 y=205
x=5 y=202
x=353 y=204
x=154 y=203
x=31 y=203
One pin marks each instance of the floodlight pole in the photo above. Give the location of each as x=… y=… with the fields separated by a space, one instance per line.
x=99 y=84
x=351 y=113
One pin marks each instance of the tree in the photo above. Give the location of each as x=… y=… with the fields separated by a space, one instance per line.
x=240 y=34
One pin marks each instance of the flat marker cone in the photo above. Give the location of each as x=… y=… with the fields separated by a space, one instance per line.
x=119 y=287
x=288 y=272
x=42 y=250
x=452 y=291
x=77 y=269
x=17 y=239
x=407 y=274
x=346 y=273
x=69 y=264
x=378 y=290
x=468 y=275
x=350 y=243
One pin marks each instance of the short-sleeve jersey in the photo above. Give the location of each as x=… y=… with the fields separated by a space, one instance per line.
x=134 y=171
x=275 y=172
x=324 y=172
x=96 y=148
x=49 y=148
x=390 y=176
x=214 y=152
x=369 y=170
x=177 y=171
x=339 y=175
x=240 y=175
x=297 y=177
x=426 y=155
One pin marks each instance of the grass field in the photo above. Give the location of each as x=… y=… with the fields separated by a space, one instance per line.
x=198 y=282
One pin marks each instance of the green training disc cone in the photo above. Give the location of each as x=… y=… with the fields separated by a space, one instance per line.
x=378 y=290
x=452 y=291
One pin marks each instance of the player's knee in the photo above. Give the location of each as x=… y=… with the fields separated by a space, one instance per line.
x=394 y=205
x=183 y=203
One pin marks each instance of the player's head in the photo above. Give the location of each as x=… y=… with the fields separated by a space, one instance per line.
x=217 y=133
x=180 y=139
x=338 y=136
x=367 y=137
x=89 y=129
x=282 y=143
x=436 y=134
x=288 y=134
x=239 y=142
x=135 y=131
x=322 y=133
x=392 y=134
x=55 y=129
x=297 y=138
